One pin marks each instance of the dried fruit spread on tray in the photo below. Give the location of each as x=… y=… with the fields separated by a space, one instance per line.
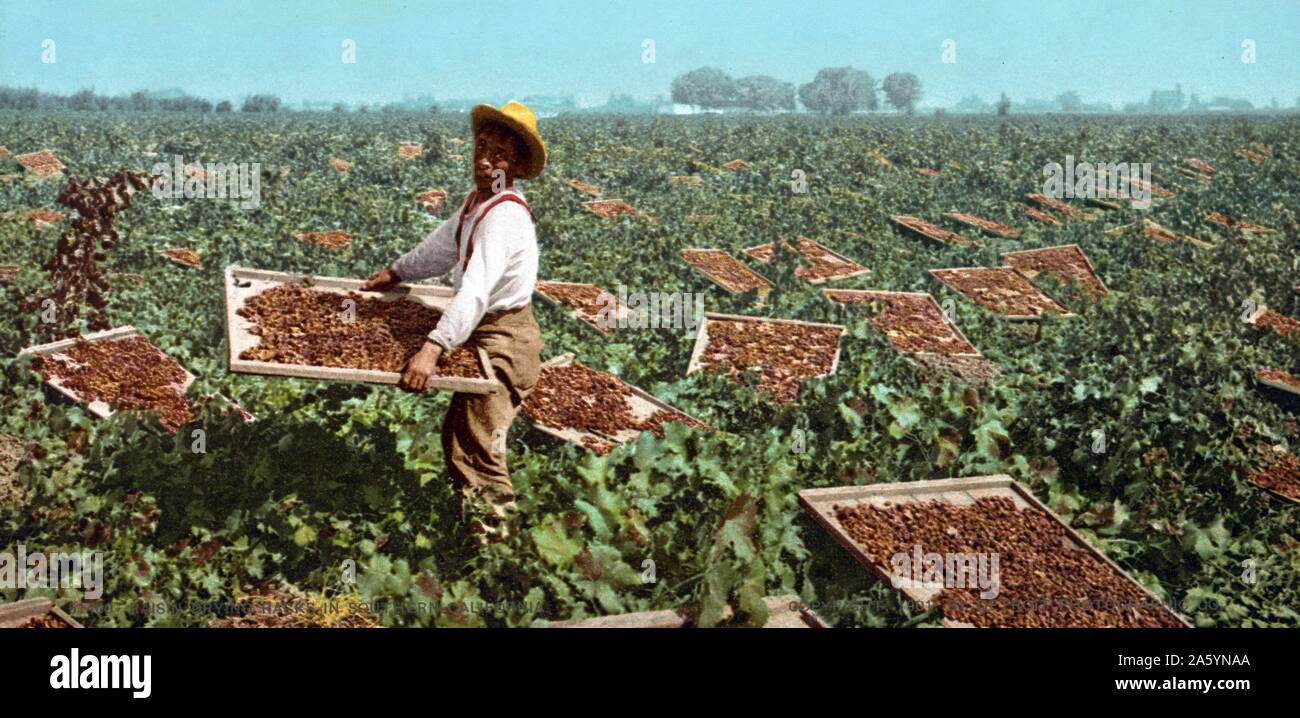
x=332 y=239
x=986 y=225
x=580 y=398
x=1279 y=376
x=780 y=352
x=1056 y=205
x=48 y=620
x=587 y=300
x=1280 y=323
x=41 y=164
x=1224 y=220
x=933 y=231
x=1000 y=289
x=1043 y=580
x=911 y=322
x=300 y=325
x=184 y=256
x=1281 y=476
x=128 y=373
x=1040 y=215
x=610 y=208
x=724 y=269
x=818 y=261
x=1065 y=263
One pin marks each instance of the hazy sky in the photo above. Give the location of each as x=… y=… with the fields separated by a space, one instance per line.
x=1107 y=50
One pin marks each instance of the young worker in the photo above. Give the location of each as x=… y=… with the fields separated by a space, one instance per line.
x=490 y=247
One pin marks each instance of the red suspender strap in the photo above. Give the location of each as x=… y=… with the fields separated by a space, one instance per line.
x=492 y=204
x=460 y=223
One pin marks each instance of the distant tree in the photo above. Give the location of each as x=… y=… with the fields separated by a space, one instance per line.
x=339 y=107
x=141 y=102
x=261 y=103
x=903 y=91
x=1069 y=101
x=706 y=87
x=763 y=93
x=839 y=91
x=83 y=100
x=224 y=106
x=1004 y=105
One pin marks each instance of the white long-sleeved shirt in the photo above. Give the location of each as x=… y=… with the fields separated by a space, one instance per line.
x=501 y=273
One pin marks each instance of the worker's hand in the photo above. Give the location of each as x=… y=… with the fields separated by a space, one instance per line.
x=421 y=367
x=381 y=280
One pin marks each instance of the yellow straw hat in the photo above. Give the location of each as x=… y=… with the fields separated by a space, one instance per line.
x=524 y=123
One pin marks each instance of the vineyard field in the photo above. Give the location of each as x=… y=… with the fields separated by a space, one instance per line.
x=1136 y=417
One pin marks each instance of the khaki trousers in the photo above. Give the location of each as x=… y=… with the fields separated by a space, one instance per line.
x=474 y=431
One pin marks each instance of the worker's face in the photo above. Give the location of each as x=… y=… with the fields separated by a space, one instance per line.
x=496 y=154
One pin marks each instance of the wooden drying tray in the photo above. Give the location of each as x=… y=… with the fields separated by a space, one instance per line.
x=702 y=338
x=946 y=320
x=1278 y=385
x=782 y=612
x=243 y=283
x=1087 y=262
x=1275 y=494
x=97 y=408
x=932 y=231
x=821 y=503
x=794 y=247
x=622 y=313
x=13 y=615
x=1064 y=313
x=643 y=406
x=987 y=226
x=180 y=262
x=762 y=291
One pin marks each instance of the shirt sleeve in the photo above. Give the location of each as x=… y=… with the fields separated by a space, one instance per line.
x=434 y=256
x=493 y=244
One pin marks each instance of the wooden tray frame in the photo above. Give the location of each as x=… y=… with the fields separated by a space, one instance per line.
x=623 y=311
x=647 y=405
x=819 y=503
x=861 y=270
x=1146 y=226
x=1062 y=208
x=951 y=324
x=702 y=338
x=898 y=220
x=762 y=291
x=1279 y=496
x=587 y=205
x=15 y=614
x=1259 y=310
x=790 y=611
x=96 y=408
x=961 y=217
x=163 y=253
x=238 y=338
x=1257 y=229
x=1088 y=262
x=1014 y=317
